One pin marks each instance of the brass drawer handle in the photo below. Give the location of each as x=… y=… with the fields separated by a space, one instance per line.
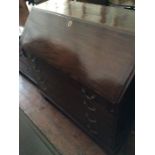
x=90 y=119
x=91 y=108
x=92 y=97
x=90 y=105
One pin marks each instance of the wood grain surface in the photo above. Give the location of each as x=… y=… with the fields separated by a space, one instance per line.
x=109 y=16
x=102 y=58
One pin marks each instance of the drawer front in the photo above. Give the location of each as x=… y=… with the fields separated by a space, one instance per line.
x=76 y=102
x=62 y=90
x=54 y=85
x=84 y=107
x=100 y=121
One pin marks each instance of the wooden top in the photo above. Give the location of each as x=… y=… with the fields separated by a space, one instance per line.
x=100 y=57
x=117 y=17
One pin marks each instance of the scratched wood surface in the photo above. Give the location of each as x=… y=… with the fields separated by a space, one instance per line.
x=60 y=130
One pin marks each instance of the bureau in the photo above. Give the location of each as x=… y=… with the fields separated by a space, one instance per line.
x=85 y=69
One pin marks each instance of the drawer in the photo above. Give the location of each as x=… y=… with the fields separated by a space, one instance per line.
x=63 y=91
x=99 y=109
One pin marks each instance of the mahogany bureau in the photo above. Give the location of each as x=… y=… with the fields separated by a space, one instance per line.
x=85 y=69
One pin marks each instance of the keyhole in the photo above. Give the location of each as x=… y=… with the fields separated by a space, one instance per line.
x=70 y=23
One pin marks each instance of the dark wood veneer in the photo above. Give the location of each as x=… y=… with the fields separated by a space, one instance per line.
x=86 y=70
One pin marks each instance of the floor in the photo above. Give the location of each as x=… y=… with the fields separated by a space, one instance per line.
x=32 y=141
x=57 y=128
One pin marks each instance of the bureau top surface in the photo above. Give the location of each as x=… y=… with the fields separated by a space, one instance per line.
x=99 y=57
x=109 y=16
